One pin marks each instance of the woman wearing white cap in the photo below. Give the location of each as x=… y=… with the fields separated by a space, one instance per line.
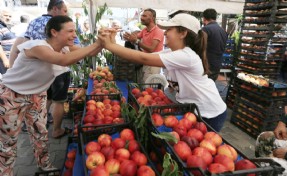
x=185 y=65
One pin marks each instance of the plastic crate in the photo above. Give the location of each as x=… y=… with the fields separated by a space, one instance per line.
x=75 y=106
x=93 y=134
x=132 y=100
x=123 y=69
x=49 y=173
x=180 y=110
x=263 y=92
x=72 y=144
x=101 y=98
x=77 y=116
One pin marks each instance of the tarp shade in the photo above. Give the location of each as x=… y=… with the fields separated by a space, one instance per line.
x=220 y=6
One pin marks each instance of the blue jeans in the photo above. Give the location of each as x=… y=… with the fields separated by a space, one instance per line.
x=217 y=122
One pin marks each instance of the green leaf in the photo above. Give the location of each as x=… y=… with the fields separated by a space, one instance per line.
x=166 y=136
x=170 y=167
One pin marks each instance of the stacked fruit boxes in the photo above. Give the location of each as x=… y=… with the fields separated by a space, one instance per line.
x=258 y=108
x=262 y=41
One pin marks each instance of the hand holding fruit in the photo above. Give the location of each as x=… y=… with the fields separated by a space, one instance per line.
x=280 y=131
x=107 y=36
x=280 y=152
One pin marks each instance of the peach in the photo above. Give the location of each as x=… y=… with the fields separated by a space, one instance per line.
x=227 y=150
x=209 y=145
x=214 y=137
x=225 y=161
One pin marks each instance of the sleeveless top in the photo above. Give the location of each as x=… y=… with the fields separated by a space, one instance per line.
x=31 y=75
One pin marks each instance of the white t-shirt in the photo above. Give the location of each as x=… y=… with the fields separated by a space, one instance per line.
x=30 y=75
x=184 y=72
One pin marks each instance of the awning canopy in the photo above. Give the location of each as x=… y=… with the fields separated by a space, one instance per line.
x=221 y=6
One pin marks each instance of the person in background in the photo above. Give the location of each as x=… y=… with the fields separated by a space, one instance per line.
x=7 y=38
x=216 y=42
x=23 y=91
x=58 y=92
x=19 y=29
x=149 y=40
x=185 y=65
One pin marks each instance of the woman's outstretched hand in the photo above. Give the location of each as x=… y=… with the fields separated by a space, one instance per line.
x=107 y=36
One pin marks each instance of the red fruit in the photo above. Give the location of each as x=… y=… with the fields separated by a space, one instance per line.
x=127 y=134
x=216 y=138
x=196 y=161
x=204 y=154
x=113 y=166
x=100 y=170
x=225 y=161
x=133 y=146
x=139 y=158
x=92 y=147
x=72 y=154
x=116 y=114
x=68 y=173
x=118 y=143
x=186 y=123
x=245 y=164
x=191 y=141
x=88 y=119
x=145 y=171
x=135 y=91
x=191 y=117
x=69 y=164
x=157 y=119
x=108 y=152
x=197 y=134
x=104 y=140
x=122 y=154
x=91 y=102
x=209 y=145
x=128 y=168
x=95 y=159
x=182 y=150
x=149 y=90
x=180 y=129
x=201 y=126
x=216 y=168
x=170 y=121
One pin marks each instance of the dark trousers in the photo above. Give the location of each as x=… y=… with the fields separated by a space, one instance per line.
x=217 y=122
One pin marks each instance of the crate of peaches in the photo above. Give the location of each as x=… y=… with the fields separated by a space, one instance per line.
x=150 y=94
x=72 y=147
x=197 y=148
x=114 y=150
x=102 y=110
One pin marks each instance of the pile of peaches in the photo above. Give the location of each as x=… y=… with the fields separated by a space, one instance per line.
x=102 y=112
x=150 y=97
x=197 y=147
x=117 y=154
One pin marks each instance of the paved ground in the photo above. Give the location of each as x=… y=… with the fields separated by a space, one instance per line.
x=26 y=165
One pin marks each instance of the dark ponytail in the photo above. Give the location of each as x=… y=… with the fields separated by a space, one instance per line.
x=198 y=43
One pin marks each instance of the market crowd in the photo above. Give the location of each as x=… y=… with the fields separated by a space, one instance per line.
x=35 y=73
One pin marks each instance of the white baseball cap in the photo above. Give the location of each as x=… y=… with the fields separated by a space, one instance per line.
x=182 y=19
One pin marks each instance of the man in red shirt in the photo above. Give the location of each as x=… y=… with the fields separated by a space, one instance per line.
x=149 y=40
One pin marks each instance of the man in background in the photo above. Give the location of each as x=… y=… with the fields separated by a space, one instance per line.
x=149 y=40
x=7 y=38
x=216 y=42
